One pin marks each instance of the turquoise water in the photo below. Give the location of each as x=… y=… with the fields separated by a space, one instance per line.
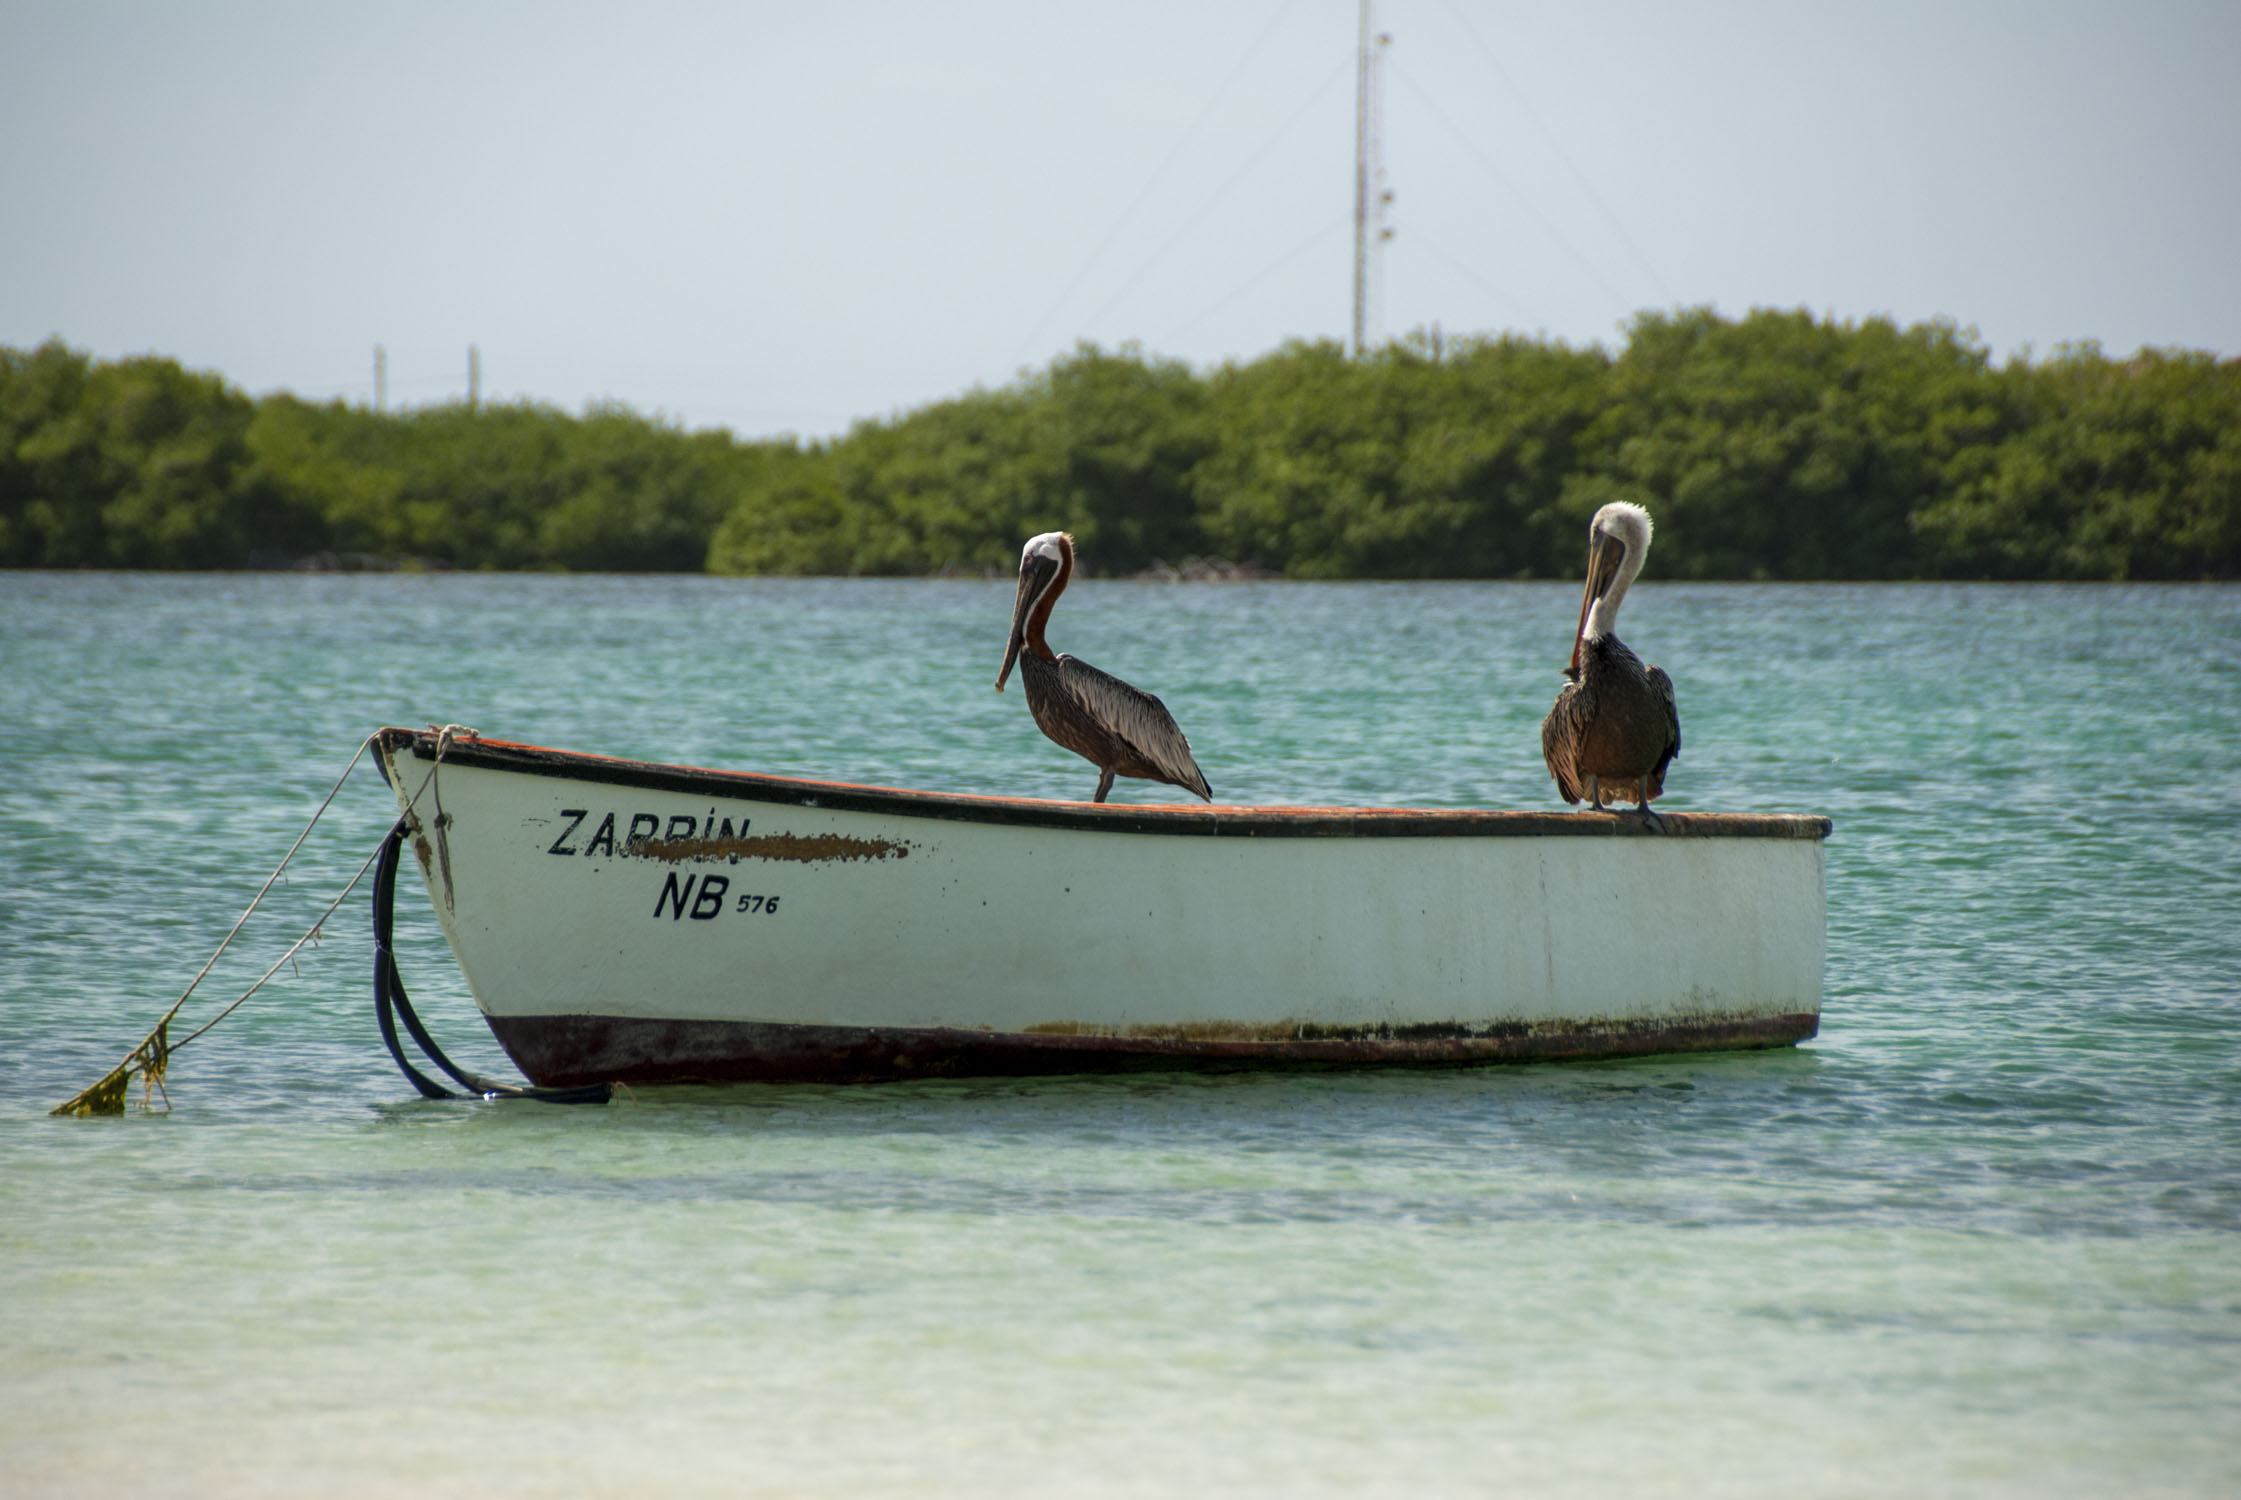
x=1982 y=1237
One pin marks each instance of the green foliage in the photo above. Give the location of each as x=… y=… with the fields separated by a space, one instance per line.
x=1776 y=445
x=1401 y=465
x=1784 y=447
x=2117 y=470
x=128 y=465
x=1100 y=445
x=140 y=464
x=508 y=486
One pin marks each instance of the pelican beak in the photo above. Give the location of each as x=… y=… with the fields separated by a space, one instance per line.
x=1032 y=575
x=1604 y=555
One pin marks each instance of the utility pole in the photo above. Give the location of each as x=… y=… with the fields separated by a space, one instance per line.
x=474 y=377
x=1370 y=193
x=1361 y=177
x=381 y=378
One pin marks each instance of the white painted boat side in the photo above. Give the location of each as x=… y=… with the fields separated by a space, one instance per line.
x=843 y=917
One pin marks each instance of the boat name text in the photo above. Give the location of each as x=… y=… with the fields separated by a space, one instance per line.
x=705 y=840
x=642 y=832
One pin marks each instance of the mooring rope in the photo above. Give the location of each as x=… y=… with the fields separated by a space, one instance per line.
x=151 y=1059
x=263 y=890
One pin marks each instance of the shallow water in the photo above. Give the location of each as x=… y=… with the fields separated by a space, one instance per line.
x=1982 y=1237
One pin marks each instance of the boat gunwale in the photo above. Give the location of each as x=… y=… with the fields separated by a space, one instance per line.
x=1218 y=820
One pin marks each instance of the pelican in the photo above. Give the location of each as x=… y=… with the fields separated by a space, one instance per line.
x=1102 y=719
x=1615 y=722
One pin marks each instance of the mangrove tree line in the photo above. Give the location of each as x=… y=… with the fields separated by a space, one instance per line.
x=1775 y=445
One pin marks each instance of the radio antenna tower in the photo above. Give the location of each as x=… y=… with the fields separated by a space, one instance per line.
x=1371 y=196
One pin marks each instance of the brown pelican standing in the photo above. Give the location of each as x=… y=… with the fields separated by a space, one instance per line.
x=1615 y=722
x=1102 y=719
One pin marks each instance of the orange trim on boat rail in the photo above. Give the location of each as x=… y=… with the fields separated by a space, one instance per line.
x=1221 y=819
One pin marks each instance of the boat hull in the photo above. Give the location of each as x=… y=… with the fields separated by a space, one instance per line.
x=618 y=920
x=592 y=1049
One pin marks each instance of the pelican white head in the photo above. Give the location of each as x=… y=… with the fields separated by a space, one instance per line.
x=1617 y=541
x=1626 y=521
x=1045 y=563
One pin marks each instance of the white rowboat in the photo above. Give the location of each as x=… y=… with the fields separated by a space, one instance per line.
x=620 y=920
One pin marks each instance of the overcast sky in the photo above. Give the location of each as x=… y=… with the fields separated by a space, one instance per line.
x=786 y=218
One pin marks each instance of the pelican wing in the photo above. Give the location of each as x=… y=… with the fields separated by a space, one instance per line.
x=1662 y=686
x=1560 y=741
x=1137 y=719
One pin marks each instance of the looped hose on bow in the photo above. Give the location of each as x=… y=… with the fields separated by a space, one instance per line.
x=389 y=991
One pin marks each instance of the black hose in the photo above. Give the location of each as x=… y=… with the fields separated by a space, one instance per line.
x=389 y=990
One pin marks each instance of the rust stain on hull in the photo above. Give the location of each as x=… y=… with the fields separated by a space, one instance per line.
x=805 y=849
x=560 y=1050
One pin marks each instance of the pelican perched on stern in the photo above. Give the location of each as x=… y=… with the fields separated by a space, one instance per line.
x=1102 y=719
x=1615 y=726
